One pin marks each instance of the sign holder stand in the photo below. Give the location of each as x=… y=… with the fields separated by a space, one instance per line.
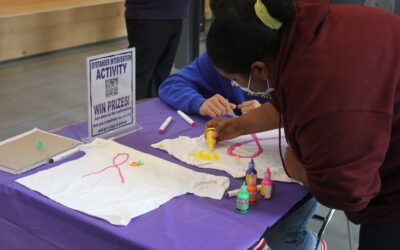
x=111 y=95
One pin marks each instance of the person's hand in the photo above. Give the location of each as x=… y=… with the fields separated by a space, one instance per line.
x=215 y=106
x=225 y=128
x=248 y=106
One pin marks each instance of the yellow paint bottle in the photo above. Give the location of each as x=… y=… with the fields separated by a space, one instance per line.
x=210 y=140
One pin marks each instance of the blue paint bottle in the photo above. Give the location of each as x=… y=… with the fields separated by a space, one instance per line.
x=251 y=170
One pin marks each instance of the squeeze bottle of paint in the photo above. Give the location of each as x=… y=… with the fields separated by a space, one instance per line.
x=210 y=140
x=242 y=201
x=251 y=170
x=252 y=189
x=266 y=185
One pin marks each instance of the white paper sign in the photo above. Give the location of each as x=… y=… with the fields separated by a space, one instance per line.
x=111 y=93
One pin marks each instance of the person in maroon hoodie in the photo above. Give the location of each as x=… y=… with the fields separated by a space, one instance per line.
x=336 y=74
x=154 y=28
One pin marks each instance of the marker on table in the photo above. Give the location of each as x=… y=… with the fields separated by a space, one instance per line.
x=186 y=118
x=165 y=124
x=235 y=192
x=66 y=154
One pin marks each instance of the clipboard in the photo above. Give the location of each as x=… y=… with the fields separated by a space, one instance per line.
x=23 y=153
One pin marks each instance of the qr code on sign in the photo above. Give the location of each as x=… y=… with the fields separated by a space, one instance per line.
x=111 y=87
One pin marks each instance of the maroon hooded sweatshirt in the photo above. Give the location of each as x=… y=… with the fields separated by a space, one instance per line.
x=337 y=79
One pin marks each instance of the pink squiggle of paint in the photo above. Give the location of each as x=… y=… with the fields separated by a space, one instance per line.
x=115 y=165
x=256 y=140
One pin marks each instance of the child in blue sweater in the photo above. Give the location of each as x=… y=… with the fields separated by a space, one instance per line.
x=200 y=89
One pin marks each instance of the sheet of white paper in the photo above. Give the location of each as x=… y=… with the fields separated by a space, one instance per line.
x=183 y=148
x=104 y=184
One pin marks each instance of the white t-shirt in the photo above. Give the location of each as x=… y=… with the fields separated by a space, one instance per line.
x=117 y=183
x=265 y=153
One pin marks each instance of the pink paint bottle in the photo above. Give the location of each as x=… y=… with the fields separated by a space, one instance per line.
x=266 y=185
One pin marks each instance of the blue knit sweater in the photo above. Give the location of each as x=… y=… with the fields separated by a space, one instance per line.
x=191 y=86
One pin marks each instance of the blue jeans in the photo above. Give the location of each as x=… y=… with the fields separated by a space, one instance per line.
x=291 y=233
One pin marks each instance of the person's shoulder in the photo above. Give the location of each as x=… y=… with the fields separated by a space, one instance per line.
x=204 y=58
x=203 y=61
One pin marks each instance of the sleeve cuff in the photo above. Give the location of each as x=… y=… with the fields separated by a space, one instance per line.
x=195 y=106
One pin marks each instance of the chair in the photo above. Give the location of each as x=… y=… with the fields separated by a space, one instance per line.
x=325 y=221
x=350 y=234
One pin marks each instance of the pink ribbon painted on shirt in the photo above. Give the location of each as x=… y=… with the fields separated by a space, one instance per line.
x=256 y=140
x=115 y=165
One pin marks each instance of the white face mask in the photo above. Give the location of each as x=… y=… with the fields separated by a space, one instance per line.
x=248 y=90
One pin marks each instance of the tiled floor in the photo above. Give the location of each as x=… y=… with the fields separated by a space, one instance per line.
x=50 y=91
x=46 y=91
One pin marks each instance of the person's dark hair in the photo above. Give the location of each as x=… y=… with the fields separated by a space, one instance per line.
x=237 y=38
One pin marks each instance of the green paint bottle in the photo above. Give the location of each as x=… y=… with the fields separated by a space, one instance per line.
x=242 y=202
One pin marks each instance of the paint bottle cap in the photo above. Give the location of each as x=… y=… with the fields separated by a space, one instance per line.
x=251 y=164
x=267 y=178
x=251 y=170
x=243 y=194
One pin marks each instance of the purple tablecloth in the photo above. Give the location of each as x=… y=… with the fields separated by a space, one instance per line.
x=29 y=220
